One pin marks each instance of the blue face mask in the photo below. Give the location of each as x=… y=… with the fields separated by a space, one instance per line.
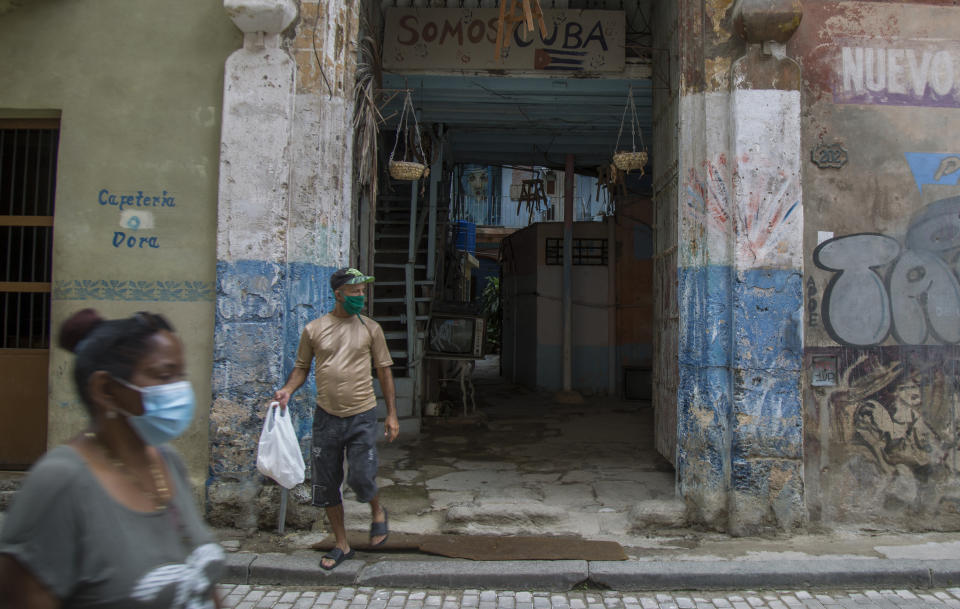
x=167 y=411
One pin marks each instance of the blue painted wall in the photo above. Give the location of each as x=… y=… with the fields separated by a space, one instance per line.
x=703 y=394
x=262 y=308
x=739 y=403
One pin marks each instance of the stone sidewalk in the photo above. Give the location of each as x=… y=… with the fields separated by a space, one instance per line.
x=263 y=597
x=702 y=561
x=918 y=566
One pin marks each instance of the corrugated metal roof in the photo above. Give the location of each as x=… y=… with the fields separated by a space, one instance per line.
x=526 y=120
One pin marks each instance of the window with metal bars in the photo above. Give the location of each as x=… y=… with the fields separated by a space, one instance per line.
x=28 y=167
x=590 y=252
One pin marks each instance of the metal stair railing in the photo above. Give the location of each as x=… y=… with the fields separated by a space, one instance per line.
x=410 y=281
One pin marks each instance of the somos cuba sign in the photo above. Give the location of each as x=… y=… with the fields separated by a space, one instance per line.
x=465 y=39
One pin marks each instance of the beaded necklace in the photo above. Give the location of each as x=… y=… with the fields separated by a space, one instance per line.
x=160 y=493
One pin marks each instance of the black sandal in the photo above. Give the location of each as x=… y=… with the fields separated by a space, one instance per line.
x=380 y=528
x=337 y=556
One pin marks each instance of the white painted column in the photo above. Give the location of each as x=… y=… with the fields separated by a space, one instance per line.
x=258 y=109
x=766 y=452
x=252 y=215
x=284 y=223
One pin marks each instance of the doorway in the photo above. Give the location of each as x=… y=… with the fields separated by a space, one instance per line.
x=28 y=163
x=473 y=466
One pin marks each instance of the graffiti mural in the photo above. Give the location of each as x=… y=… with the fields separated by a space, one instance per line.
x=884 y=421
x=934 y=168
x=813 y=305
x=890 y=429
x=882 y=287
x=763 y=221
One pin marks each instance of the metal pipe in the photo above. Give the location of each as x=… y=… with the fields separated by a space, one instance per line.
x=409 y=280
x=52 y=172
x=4 y=343
x=613 y=311
x=26 y=175
x=282 y=515
x=6 y=212
x=567 y=307
x=36 y=178
x=435 y=171
x=13 y=171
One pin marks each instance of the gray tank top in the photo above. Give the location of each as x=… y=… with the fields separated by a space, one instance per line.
x=91 y=551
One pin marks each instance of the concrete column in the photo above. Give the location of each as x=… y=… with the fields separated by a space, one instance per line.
x=284 y=212
x=739 y=464
x=767 y=299
x=255 y=166
x=704 y=258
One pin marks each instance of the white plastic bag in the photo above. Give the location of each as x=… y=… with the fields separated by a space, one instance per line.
x=278 y=455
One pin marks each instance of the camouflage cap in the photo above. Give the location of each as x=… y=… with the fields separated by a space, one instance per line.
x=348 y=276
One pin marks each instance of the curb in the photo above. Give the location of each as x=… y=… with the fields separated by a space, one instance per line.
x=554 y=575
x=302 y=568
x=798 y=574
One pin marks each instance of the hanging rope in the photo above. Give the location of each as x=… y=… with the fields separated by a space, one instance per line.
x=634 y=124
x=635 y=159
x=403 y=127
x=409 y=167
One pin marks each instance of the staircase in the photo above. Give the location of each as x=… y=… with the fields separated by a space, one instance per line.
x=402 y=294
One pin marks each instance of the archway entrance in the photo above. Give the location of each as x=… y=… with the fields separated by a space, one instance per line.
x=526 y=453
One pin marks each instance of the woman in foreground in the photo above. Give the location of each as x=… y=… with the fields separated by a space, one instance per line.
x=108 y=519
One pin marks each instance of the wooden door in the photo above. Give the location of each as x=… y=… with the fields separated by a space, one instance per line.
x=23 y=379
x=28 y=158
x=636 y=315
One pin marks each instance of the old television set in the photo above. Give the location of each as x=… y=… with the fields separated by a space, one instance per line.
x=455 y=336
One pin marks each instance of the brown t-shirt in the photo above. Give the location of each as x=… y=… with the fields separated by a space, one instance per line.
x=344 y=348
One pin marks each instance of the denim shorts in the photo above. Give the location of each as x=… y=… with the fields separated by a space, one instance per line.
x=335 y=437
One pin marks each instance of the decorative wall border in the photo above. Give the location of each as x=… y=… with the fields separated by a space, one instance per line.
x=148 y=291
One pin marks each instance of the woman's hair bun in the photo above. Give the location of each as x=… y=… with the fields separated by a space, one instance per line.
x=77 y=327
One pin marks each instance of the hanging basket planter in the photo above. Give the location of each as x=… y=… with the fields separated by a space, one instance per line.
x=410 y=169
x=406 y=170
x=628 y=161
x=633 y=159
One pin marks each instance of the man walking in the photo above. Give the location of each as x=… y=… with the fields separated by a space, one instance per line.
x=344 y=344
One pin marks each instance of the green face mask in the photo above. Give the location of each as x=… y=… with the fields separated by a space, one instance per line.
x=354 y=304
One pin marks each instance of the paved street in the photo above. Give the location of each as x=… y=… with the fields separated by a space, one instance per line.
x=276 y=597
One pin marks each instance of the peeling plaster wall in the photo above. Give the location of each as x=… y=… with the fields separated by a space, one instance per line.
x=704 y=276
x=767 y=342
x=285 y=225
x=882 y=282
x=666 y=28
x=138 y=97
